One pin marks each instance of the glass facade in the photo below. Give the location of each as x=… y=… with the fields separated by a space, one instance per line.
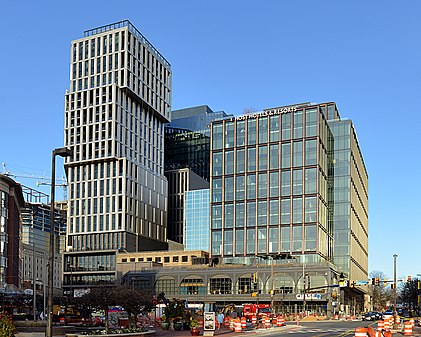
x=190 y=149
x=350 y=217
x=275 y=174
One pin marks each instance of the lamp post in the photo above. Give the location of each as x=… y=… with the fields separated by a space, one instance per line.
x=62 y=152
x=394 y=289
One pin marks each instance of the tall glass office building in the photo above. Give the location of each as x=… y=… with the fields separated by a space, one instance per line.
x=116 y=108
x=273 y=190
x=196 y=219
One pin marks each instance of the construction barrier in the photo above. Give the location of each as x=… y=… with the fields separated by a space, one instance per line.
x=237 y=326
x=280 y=320
x=200 y=320
x=267 y=322
x=380 y=325
x=254 y=320
x=411 y=320
x=407 y=329
x=386 y=324
x=226 y=321
x=360 y=332
x=232 y=324
x=243 y=323
x=370 y=332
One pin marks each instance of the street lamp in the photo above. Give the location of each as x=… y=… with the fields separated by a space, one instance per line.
x=62 y=152
x=394 y=289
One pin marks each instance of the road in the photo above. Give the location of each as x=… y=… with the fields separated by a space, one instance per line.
x=327 y=328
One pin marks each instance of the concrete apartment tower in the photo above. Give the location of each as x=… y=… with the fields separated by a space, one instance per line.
x=118 y=102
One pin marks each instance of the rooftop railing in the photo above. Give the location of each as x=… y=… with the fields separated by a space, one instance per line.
x=133 y=29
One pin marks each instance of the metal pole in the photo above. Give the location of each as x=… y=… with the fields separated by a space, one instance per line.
x=272 y=290
x=44 y=281
x=62 y=152
x=394 y=289
x=304 y=288
x=34 y=301
x=49 y=331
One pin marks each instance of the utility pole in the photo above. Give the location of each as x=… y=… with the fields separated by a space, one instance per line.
x=394 y=289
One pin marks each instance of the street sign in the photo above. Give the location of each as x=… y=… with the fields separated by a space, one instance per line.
x=361 y=283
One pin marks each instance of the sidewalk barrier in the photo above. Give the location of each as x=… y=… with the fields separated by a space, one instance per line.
x=386 y=324
x=243 y=323
x=360 y=332
x=280 y=320
x=237 y=326
x=407 y=329
x=371 y=332
x=267 y=322
x=254 y=320
x=380 y=325
x=232 y=321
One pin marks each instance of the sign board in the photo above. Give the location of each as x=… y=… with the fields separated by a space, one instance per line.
x=309 y=296
x=209 y=321
x=361 y=283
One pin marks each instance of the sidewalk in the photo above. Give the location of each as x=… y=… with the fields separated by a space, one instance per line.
x=224 y=332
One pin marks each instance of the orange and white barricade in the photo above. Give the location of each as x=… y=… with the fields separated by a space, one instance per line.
x=411 y=320
x=243 y=323
x=407 y=331
x=280 y=320
x=380 y=325
x=254 y=320
x=232 y=321
x=237 y=326
x=200 y=320
x=386 y=324
x=267 y=322
x=360 y=332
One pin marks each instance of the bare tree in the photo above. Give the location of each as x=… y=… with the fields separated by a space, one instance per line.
x=381 y=294
x=408 y=294
x=99 y=298
x=134 y=301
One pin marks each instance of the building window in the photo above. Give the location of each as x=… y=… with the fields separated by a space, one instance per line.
x=184 y=258
x=175 y=259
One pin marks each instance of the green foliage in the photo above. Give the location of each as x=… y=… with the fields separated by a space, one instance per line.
x=174 y=311
x=194 y=323
x=7 y=329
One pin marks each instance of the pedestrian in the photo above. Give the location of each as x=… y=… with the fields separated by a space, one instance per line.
x=220 y=319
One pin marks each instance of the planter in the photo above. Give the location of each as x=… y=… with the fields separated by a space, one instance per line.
x=194 y=331
x=178 y=326
x=165 y=325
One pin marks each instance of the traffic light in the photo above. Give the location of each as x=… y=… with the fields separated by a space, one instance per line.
x=373 y=281
x=254 y=277
x=385 y=282
x=418 y=285
x=409 y=278
x=392 y=286
x=377 y=281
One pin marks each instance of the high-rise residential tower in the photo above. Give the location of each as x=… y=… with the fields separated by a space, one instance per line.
x=118 y=102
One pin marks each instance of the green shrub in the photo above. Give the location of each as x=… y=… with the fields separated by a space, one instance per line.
x=7 y=329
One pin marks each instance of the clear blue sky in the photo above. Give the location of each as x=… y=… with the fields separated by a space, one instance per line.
x=233 y=55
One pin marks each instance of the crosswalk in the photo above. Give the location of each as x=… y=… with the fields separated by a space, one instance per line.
x=316 y=330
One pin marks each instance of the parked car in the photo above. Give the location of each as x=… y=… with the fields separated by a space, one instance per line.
x=372 y=316
x=387 y=313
